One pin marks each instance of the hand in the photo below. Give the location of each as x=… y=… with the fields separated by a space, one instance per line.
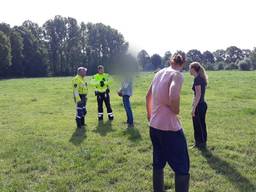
x=120 y=93
x=149 y=117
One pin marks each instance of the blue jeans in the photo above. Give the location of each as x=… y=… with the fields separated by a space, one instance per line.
x=127 y=106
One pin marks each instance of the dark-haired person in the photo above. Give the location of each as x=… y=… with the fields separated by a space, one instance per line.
x=102 y=81
x=168 y=140
x=199 y=107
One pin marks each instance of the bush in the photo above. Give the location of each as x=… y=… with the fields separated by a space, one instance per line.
x=245 y=64
x=231 y=66
x=220 y=66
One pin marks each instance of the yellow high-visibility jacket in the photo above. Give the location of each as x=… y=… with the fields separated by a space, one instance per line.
x=101 y=82
x=79 y=85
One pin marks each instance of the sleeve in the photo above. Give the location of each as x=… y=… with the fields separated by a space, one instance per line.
x=75 y=91
x=197 y=81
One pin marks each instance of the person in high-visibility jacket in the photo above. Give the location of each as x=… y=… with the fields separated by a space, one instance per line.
x=80 y=91
x=102 y=81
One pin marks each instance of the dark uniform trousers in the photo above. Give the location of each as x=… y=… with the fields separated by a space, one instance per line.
x=81 y=110
x=104 y=97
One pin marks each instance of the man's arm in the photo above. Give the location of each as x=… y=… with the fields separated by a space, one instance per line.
x=75 y=91
x=149 y=102
x=108 y=80
x=174 y=93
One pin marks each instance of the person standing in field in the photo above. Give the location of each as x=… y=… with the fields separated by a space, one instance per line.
x=126 y=92
x=102 y=81
x=168 y=140
x=80 y=91
x=199 y=106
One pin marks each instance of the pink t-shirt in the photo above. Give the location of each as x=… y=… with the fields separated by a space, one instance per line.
x=162 y=117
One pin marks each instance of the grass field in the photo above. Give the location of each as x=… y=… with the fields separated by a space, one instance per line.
x=40 y=149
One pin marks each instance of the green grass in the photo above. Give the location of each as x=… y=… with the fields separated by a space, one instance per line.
x=40 y=149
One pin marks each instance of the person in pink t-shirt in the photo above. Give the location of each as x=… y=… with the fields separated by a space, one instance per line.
x=168 y=140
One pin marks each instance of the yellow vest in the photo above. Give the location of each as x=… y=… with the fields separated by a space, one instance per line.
x=79 y=87
x=98 y=79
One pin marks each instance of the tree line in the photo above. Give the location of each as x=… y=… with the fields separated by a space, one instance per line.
x=62 y=44
x=58 y=47
x=233 y=58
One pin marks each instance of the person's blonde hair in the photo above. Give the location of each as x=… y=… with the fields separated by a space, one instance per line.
x=200 y=70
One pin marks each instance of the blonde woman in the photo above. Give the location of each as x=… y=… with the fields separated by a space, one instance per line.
x=199 y=106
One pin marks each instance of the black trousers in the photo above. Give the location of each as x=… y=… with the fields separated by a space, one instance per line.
x=81 y=110
x=200 y=132
x=104 y=97
x=170 y=147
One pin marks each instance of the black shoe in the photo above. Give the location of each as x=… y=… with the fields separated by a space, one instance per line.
x=158 y=180
x=182 y=183
x=111 y=118
x=100 y=118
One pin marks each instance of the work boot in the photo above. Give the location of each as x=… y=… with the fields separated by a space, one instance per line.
x=182 y=183
x=158 y=180
x=78 y=123
x=111 y=117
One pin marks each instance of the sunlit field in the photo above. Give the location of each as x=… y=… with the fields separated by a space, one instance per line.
x=41 y=150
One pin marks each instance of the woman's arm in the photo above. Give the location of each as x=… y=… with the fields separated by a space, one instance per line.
x=196 y=98
x=149 y=102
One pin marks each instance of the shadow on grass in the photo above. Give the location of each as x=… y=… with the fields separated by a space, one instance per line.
x=134 y=134
x=221 y=166
x=103 y=128
x=78 y=136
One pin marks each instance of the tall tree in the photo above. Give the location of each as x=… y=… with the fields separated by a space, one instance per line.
x=104 y=44
x=233 y=54
x=144 y=59
x=208 y=60
x=34 y=50
x=253 y=58
x=17 y=68
x=156 y=61
x=5 y=28
x=219 y=55
x=55 y=31
x=72 y=47
x=167 y=56
x=5 y=54
x=193 y=55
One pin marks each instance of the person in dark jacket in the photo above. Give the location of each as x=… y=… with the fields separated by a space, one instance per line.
x=199 y=106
